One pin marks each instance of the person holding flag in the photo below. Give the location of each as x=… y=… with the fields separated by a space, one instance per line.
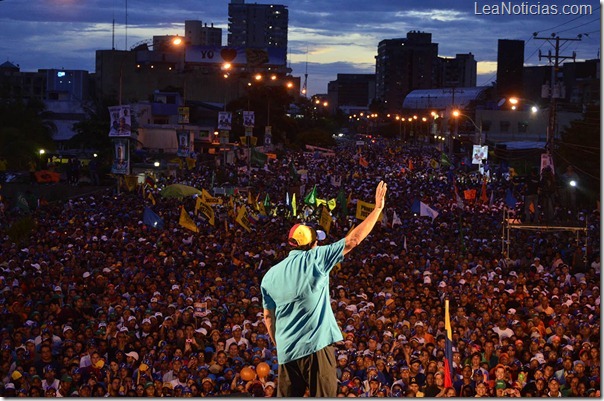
x=297 y=308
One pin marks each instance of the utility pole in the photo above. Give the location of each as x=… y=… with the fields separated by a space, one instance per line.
x=555 y=91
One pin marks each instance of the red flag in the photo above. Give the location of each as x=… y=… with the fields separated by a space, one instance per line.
x=483 y=193
x=363 y=162
x=469 y=194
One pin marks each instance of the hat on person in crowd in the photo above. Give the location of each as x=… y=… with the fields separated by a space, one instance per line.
x=133 y=354
x=301 y=235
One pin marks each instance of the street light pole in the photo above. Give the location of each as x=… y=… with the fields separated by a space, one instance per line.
x=457 y=113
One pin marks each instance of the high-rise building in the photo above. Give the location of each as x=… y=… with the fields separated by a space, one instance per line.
x=258 y=25
x=510 y=61
x=197 y=34
x=351 y=92
x=458 y=72
x=403 y=65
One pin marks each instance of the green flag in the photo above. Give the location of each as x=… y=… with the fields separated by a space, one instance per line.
x=311 y=198
x=341 y=200
x=293 y=172
x=22 y=203
x=444 y=160
x=267 y=201
x=258 y=158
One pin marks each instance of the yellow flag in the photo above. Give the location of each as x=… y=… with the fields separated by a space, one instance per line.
x=197 y=205
x=130 y=181
x=250 y=199
x=261 y=208
x=151 y=198
x=206 y=209
x=231 y=208
x=294 y=207
x=186 y=221
x=243 y=219
x=209 y=199
x=363 y=209
x=320 y=202
x=331 y=204
x=325 y=219
x=191 y=163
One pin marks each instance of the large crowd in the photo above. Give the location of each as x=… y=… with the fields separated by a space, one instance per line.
x=94 y=302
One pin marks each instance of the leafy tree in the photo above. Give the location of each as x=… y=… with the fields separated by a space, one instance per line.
x=24 y=131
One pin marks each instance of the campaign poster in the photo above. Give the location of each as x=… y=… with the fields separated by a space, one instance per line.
x=121 y=158
x=479 y=153
x=121 y=121
x=224 y=120
x=184 y=143
x=248 y=118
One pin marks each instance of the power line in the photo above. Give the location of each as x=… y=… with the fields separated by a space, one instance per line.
x=578 y=26
x=564 y=23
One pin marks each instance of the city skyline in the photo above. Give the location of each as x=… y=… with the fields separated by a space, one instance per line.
x=324 y=39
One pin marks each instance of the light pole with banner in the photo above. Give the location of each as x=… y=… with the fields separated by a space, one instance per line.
x=480 y=153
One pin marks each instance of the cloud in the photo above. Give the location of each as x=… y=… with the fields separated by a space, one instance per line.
x=338 y=36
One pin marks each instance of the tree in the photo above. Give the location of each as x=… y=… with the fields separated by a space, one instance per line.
x=24 y=131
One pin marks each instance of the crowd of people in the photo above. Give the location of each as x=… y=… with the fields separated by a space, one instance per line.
x=94 y=302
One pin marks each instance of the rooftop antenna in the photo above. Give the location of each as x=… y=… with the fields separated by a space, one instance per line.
x=126 y=44
x=304 y=87
x=113 y=29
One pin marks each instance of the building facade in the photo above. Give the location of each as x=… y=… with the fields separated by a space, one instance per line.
x=510 y=62
x=351 y=92
x=403 y=65
x=257 y=25
x=457 y=72
x=197 y=34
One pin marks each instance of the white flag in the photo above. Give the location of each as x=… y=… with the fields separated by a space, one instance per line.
x=425 y=210
x=396 y=220
x=384 y=220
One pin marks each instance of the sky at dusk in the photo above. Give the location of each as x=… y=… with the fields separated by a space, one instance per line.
x=325 y=37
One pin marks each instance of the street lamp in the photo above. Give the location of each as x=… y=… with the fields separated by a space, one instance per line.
x=515 y=101
x=226 y=68
x=457 y=113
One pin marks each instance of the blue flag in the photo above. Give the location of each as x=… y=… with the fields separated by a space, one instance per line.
x=415 y=206
x=510 y=200
x=151 y=219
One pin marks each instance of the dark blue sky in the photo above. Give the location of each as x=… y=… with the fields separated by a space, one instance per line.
x=325 y=37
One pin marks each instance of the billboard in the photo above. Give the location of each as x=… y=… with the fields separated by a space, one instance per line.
x=236 y=55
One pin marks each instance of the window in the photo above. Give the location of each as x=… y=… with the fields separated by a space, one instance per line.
x=504 y=126
x=522 y=126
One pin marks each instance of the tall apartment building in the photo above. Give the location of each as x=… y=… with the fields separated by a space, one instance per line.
x=198 y=34
x=510 y=62
x=403 y=65
x=351 y=92
x=258 y=25
x=458 y=72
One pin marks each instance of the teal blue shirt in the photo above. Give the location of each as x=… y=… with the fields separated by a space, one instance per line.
x=297 y=289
